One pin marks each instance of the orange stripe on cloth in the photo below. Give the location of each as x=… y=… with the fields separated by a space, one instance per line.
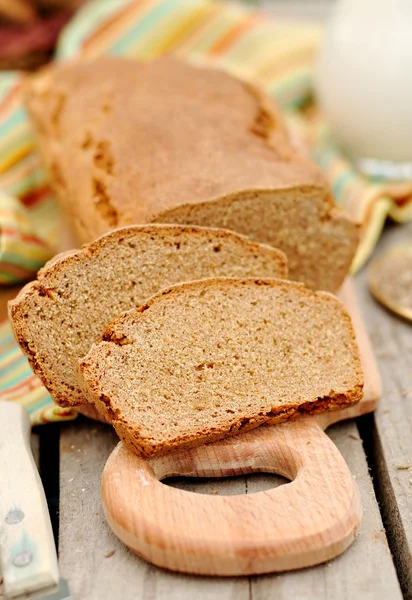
x=126 y=15
x=24 y=387
x=234 y=34
x=10 y=99
x=22 y=236
x=22 y=170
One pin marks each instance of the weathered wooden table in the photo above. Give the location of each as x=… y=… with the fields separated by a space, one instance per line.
x=377 y=448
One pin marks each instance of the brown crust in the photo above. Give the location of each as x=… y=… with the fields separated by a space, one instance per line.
x=64 y=259
x=17 y=321
x=139 y=445
x=245 y=152
x=44 y=287
x=286 y=413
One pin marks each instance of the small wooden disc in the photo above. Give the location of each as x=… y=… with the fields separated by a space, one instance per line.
x=390 y=280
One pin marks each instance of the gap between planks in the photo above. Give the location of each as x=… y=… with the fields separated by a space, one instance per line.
x=389 y=430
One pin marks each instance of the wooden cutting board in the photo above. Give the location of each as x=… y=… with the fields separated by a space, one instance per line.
x=306 y=522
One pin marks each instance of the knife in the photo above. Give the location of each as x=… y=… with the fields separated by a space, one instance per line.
x=28 y=558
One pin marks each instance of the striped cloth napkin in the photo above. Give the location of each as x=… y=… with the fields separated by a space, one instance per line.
x=274 y=53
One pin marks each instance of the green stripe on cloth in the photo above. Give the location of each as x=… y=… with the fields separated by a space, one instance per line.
x=148 y=22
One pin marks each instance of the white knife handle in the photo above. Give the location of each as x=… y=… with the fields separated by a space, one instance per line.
x=28 y=556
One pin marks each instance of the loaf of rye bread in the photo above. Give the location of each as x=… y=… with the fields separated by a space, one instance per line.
x=57 y=318
x=206 y=359
x=167 y=142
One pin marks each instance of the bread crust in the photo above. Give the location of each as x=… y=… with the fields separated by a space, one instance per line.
x=203 y=144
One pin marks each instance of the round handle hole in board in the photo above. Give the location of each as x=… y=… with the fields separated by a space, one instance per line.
x=228 y=486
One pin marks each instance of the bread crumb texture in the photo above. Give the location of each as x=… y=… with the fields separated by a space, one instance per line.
x=58 y=317
x=208 y=359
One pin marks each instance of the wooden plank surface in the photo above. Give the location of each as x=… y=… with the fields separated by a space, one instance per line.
x=391 y=427
x=85 y=539
x=86 y=542
x=365 y=570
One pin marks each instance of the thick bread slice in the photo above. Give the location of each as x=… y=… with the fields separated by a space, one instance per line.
x=58 y=317
x=207 y=359
x=170 y=143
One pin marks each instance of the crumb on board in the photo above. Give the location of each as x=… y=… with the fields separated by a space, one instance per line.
x=109 y=554
x=404 y=467
x=379 y=536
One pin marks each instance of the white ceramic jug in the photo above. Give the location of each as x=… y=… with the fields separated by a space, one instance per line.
x=364 y=83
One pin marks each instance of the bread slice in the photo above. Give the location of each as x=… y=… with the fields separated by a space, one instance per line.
x=58 y=317
x=171 y=143
x=207 y=359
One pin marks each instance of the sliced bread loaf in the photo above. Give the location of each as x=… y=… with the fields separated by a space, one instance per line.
x=167 y=142
x=207 y=359
x=58 y=317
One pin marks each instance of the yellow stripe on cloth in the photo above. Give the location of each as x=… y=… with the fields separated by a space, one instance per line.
x=22 y=251
x=169 y=34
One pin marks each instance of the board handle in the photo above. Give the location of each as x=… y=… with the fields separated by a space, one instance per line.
x=309 y=521
x=27 y=551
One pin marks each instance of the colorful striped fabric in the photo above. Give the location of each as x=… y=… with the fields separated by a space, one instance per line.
x=274 y=53
x=22 y=250
x=18 y=383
